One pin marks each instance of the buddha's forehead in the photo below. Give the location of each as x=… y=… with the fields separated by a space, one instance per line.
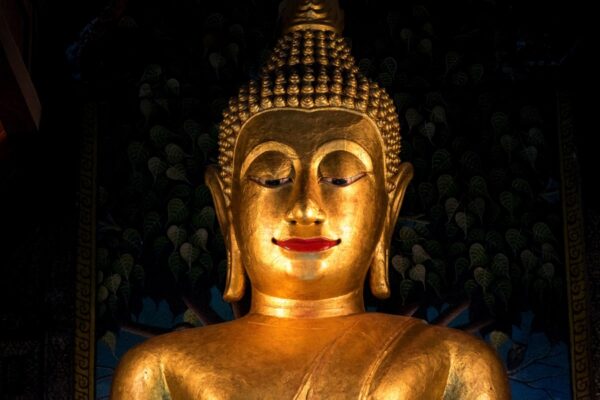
x=305 y=131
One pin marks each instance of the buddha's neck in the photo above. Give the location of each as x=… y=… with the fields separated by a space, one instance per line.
x=350 y=303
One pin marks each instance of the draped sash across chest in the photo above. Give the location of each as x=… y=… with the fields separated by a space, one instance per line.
x=359 y=352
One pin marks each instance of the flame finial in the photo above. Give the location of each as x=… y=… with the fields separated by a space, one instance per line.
x=325 y=15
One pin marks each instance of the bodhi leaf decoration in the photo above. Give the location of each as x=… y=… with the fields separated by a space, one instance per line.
x=205 y=218
x=405 y=289
x=156 y=166
x=529 y=260
x=428 y=130
x=160 y=136
x=189 y=253
x=482 y=277
x=515 y=239
x=419 y=254
x=174 y=153
x=113 y=282
x=124 y=265
x=477 y=207
x=446 y=186
x=401 y=264
x=176 y=265
x=102 y=293
x=177 y=211
x=498 y=338
x=542 y=233
x=478 y=255
x=427 y=194
x=110 y=339
x=177 y=235
x=413 y=117
x=500 y=265
x=417 y=273
x=177 y=173
x=441 y=161
x=451 y=206
x=137 y=153
x=478 y=187
x=408 y=237
x=200 y=238
x=500 y=123
x=463 y=221
x=152 y=224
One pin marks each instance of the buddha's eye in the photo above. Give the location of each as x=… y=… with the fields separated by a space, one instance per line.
x=271 y=183
x=337 y=181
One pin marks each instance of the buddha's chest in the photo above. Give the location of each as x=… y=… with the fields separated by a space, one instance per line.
x=326 y=373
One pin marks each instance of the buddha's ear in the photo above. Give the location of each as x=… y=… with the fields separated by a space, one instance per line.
x=217 y=189
x=400 y=182
x=378 y=272
x=235 y=285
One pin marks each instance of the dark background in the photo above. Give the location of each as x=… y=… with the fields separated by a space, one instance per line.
x=39 y=169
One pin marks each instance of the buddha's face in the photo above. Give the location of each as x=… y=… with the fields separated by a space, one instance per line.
x=308 y=202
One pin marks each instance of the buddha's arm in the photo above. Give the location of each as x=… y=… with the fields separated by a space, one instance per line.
x=139 y=376
x=476 y=372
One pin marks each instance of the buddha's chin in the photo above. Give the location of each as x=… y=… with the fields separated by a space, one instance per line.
x=305 y=268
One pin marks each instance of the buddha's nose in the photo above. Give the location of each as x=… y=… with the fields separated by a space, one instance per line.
x=305 y=211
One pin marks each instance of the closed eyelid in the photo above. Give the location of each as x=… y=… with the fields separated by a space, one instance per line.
x=271 y=183
x=350 y=179
x=264 y=169
x=344 y=145
x=263 y=148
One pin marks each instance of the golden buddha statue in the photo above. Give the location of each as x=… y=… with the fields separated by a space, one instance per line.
x=307 y=192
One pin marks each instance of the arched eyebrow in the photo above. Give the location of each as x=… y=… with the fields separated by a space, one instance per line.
x=263 y=148
x=344 y=145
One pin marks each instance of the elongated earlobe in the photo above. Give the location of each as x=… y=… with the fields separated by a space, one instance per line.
x=378 y=272
x=236 y=281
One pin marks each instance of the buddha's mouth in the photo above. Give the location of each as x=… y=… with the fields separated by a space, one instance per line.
x=307 y=245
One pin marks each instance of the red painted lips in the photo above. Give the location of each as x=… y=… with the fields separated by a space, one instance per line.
x=309 y=245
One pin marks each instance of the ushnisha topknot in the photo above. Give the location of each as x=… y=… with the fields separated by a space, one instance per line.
x=311 y=69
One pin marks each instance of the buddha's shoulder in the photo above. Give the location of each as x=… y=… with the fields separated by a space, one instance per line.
x=413 y=335
x=163 y=349
x=144 y=368
x=460 y=346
